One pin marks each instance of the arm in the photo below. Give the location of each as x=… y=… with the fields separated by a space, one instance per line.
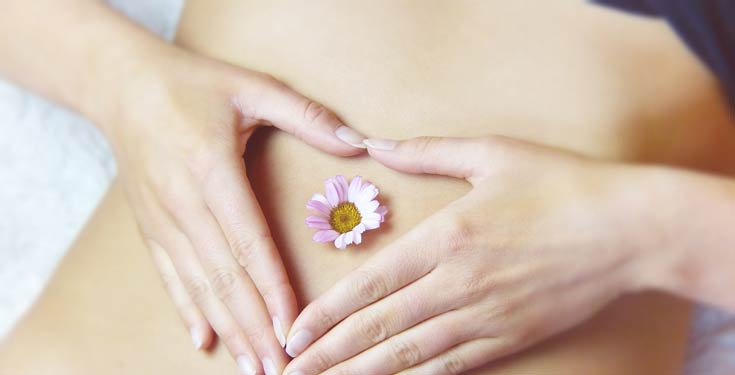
x=178 y=124
x=79 y=53
x=686 y=232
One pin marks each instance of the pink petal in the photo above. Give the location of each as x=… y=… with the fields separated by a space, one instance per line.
x=382 y=211
x=341 y=184
x=319 y=197
x=354 y=189
x=332 y=193
x=325 y=236
x=339 y=242
x=319 y=206
x=318 y=222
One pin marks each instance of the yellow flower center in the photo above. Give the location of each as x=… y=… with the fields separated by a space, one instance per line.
x=344 y=217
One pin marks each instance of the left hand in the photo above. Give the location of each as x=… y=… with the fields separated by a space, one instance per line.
x=542 y=242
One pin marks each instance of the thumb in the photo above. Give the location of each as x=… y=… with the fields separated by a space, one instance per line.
x=268 y=100
x=455 y=157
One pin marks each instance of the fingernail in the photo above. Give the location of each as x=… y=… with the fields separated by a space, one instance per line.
x=269 y=367
x=350 y=136
x=278 y=329
x=196 y=337
x=246 y=366
x=299 y=342
x=380 y=144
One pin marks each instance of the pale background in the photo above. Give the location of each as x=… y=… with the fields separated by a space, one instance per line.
x=55 y=167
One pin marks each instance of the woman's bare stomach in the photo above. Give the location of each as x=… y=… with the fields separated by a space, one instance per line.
x=569 y=74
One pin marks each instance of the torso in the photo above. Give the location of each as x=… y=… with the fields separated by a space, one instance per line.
x=571 y=74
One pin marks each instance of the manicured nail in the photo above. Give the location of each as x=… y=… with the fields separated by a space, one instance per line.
x=299 y=342
x=380 y=144
x=350 y=136
x=278 y=329
x=246 y=366
x=269 y=367
x=196 y=337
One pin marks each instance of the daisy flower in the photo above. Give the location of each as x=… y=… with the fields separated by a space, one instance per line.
x=346 y=211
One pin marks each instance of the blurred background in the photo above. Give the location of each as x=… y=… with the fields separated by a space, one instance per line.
x=55 y=167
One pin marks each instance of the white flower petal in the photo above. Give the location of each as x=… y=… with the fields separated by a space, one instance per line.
x=371 y=223
x=372 y=216
x=354 y=189
x=358 y=237
x=367 y=194
x=349 y=236
x=340 y=242
x=359 y=228
x=366 y=208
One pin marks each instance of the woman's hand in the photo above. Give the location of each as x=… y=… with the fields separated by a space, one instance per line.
x=179 y=134
x=539 y=244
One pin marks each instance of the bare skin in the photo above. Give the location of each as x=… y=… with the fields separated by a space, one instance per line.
x=402 y=80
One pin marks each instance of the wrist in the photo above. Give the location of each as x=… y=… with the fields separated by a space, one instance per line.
x=646 y=207
x=120 y=65
x=674 y=218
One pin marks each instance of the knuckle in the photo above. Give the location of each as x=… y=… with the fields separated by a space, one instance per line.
x=232 y=338
x=274 y=291
x=498 y=317
x=320 y=359
x=198 y=289
x=225 y=282
x=405 y=353
x=313 y=111
x=254 y=333
x=317 y=312
x=452 y=363
x=458 y=234
x=424 y=145
x=245 y=247
x=170 y=281
x=371 y=327
x=369 y=286
x=473 y=287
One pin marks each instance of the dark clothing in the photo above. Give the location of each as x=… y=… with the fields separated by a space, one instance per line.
x=706 y=26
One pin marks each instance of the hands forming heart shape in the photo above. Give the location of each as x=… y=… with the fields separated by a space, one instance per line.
x=543 y=240
x=475 y=281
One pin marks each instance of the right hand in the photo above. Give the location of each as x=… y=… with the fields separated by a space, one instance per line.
x=179 y=138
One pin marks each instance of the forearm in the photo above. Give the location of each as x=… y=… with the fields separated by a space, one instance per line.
x=80 y=53
x=686 y=222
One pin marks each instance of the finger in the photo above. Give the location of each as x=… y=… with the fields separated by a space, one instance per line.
x=230 y=283
x=240 y=217
x=411 y=347
x=392 y=268
x=455 y=157
x=416 y=302
x=462 y=358
x=193 y=277
x=272 y=101
x=199 y=328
